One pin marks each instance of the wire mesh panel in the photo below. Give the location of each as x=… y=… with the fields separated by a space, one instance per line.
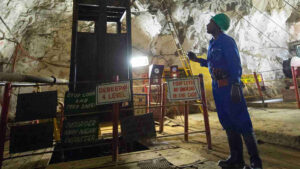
x=160 y=163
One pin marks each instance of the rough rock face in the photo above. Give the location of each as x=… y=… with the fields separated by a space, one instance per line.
x=42 y=27
x=261 y=28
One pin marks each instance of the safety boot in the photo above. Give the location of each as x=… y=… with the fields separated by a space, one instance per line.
x=251 y=144
x=235 y=160
x=231 y=164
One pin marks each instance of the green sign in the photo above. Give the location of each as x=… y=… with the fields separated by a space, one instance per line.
x=80 y=102
x=80 y=131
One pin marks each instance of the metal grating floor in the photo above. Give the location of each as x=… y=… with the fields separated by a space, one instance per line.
x=157 y=163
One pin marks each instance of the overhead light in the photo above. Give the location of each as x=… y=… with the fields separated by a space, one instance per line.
x=139 y=61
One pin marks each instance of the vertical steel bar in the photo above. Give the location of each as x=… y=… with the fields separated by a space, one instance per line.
x=129 y=43
x=158 y=101
x=186 y=121
x=62 y=117
x=259 y=88
x=73 y=69
x=296 y=86
x=116 y=111
x=4 y=116
x=263 y=87
x=205 y=113
x=163 y=101
x=149 y=97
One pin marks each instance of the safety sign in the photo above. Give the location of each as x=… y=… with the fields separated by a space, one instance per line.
x=113 y=93
x=184 y=89
x=249 y=78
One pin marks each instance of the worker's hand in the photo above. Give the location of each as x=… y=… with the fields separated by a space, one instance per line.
x=192 y=56
x=236 y=93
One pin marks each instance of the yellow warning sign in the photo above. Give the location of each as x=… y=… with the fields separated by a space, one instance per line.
x=249 y=78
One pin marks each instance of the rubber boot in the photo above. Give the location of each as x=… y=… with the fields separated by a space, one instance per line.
x=251 y=144
x=235 y=160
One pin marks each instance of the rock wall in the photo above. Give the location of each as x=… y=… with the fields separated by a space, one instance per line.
x=42 y=27
x=261 y=28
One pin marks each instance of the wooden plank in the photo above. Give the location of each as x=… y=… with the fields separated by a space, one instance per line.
x=28 y=162
x=181 y=156
x=107 y=160
x=177 y=156
x=31 y=161
x=45 y=159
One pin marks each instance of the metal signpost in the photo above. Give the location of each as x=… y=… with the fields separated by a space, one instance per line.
x=116 y=93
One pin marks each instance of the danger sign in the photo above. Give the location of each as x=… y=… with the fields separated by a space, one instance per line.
x=113 y=93
x=184 y=89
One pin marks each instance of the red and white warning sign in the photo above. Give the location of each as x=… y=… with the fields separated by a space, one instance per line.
x=113 y=93
x=184 y=89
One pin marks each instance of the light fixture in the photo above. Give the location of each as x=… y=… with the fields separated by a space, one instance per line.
x=139 y=61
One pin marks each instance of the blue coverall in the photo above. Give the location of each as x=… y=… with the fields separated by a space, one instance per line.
x=223 y=54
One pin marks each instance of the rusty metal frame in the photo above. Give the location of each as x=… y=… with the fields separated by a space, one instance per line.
x=296 y=85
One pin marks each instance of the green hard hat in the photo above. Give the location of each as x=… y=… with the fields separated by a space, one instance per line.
x=222 y=20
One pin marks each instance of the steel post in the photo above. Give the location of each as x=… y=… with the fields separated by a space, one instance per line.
x=259 y=88
x=205 y=112
x=4 y=116
x=186 y=121
x=296 y=86
x=73 y=69
x=116 y=111
x=163 y=102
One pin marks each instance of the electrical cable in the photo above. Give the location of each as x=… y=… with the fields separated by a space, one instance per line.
x=259 y=31
x=24 y=52
x=255 y=28
x=8 y=28
x=249 y=5
x=292 y=6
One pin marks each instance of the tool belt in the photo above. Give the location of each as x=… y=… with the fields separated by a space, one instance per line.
x=221 y=77
x=222 y=83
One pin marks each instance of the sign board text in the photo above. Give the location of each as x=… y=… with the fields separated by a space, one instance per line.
x=184 y=89
x=139 y=103
x=113 y=93
x=80 y=131
x=80 y=102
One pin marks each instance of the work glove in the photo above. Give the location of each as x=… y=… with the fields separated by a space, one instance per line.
x=236 y=93
x=192 y=56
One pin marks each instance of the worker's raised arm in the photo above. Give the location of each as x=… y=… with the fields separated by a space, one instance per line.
x=193 y=57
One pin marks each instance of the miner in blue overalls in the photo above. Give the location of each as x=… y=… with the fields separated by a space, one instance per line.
x=223 y=62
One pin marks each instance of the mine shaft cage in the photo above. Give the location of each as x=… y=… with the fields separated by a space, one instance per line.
x=99 y=55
